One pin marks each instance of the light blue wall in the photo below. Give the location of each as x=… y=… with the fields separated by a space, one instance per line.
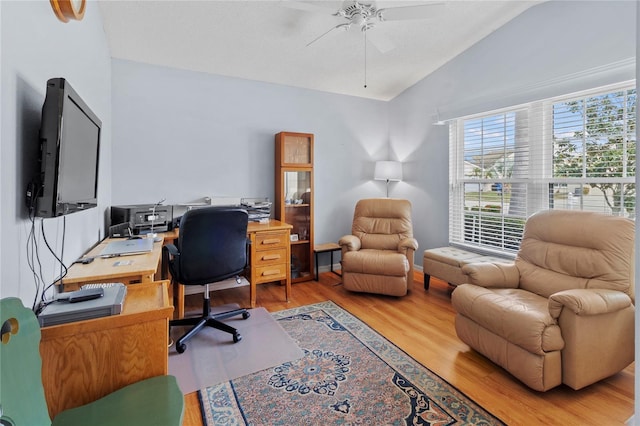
x=553 y=48
x=36 y=47
x=183 y=135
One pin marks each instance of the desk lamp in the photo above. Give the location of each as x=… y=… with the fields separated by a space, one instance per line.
x=388 y=171
x=153 y=219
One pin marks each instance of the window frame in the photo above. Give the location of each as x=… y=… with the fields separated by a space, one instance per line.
x=539 y=181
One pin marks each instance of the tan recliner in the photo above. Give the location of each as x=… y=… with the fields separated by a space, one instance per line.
x=378 y=256
x=564 y=312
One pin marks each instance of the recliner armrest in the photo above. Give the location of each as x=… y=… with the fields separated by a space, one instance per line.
x=350 y=243
x=588 y=301
x=499 y=275
x=407 y=244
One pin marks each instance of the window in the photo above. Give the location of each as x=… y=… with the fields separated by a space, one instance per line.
x=576 y=152
x=594 y=151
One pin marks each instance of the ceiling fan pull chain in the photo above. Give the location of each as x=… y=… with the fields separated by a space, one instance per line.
x=365 y=59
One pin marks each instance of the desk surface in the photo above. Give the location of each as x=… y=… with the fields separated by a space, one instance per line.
x=141 y=268
x=272 y=225
x=142 y=302
x=252 y=227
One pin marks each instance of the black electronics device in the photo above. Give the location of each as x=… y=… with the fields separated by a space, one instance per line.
x=81 y=295
x=67 y=175
x=62 y=312
x=140 y=218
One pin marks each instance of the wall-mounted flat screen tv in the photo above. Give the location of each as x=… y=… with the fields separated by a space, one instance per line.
x=69 y=153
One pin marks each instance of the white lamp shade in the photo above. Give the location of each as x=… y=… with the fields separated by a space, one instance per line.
x=388 y=170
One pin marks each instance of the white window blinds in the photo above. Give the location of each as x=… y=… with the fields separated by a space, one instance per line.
x=576 y=152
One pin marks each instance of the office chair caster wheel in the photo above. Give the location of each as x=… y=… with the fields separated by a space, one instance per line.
x=245 y=315
x=181 y=347
x=236 y=337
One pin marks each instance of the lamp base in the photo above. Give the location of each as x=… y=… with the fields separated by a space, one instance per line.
x=155 y=237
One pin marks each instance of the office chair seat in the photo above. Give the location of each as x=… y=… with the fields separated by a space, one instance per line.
x=212 y=247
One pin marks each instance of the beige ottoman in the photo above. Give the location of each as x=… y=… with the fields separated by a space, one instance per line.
x=446 y=264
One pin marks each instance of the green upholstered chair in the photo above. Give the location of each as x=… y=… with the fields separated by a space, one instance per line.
x=154 y=401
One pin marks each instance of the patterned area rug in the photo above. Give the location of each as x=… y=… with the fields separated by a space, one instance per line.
x=349 y=375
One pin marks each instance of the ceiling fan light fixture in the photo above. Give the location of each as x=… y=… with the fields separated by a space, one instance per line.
x=359 y=19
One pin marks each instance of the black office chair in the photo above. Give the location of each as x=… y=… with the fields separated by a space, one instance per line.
x=212 y=247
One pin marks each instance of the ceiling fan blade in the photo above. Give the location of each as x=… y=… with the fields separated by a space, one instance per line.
x=401 y=13
x=325 y=33
x=308 y=7
x=380 y=41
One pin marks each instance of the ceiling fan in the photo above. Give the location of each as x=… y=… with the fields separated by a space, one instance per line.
x=365 y=15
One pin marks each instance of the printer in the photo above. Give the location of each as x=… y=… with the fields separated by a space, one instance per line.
x=142 y=218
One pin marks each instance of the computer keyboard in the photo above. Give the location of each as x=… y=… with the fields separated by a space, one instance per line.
x=100 y=285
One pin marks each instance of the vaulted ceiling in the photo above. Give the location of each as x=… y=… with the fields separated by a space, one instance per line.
x=269 y=40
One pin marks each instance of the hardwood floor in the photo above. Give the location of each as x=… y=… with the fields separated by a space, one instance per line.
x=422 y=325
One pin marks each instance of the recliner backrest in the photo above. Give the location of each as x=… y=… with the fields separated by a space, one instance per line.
x=563 y=250
x=381 y=223
x=212 y=245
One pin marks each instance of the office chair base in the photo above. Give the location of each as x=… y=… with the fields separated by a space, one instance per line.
x=208 y=321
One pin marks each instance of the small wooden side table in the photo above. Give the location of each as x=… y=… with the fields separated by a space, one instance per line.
x=324 y=248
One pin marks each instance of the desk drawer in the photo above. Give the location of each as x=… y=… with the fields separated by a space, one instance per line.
x=271 y=273
x=271 y=241
x=271 y=257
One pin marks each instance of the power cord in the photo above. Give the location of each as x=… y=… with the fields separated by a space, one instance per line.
x=33 y=255
x=63 y=267
x=33 y=250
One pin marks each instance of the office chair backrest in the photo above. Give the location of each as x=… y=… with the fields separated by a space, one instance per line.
x=212 y=245
x=22 y=400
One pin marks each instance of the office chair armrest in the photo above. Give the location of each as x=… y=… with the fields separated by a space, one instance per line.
x=171 y=249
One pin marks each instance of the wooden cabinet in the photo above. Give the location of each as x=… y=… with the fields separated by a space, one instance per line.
x=269 y=256
x=294 y=198
x=83 y=361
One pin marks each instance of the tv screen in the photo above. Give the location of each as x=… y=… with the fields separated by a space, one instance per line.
x=69 y=153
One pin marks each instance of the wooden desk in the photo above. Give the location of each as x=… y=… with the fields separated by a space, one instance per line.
x=85 y=360
x=142 y=269
x=269 y=259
